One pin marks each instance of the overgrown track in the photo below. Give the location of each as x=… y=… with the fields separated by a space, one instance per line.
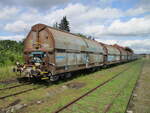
x=134 y=87
x=19 y=92
x=15 y=86
x=90 y=91
x=115 y=97
x=9 y=81
x=106 y=110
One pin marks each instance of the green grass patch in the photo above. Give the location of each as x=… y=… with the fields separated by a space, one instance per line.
x=6 y=73
x=60 y=99
x=98 y=101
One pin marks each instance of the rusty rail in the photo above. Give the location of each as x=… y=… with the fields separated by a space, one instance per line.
x=8 y=81
x=134 y=87
x=116 y=96
x=15 y=86
x=92 y=90
x=20 y=92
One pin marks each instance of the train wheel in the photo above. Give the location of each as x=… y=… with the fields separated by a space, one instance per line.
x=54 y=78
x=93 y=69
x=105 y=66
x=62 y=76
x=68 y=75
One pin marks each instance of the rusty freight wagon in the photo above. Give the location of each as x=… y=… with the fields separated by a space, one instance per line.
x=51 y=53
x=123 y=53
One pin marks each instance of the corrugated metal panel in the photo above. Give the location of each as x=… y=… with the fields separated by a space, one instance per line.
x=123 y=52
x=61 y=59
x=94 y=46
x=113 y=58
x=44 y=40
x=112 y=50
x=81 y=58
x=67 y=41
x=94 y=58
x=30 y=41
x=71 y=59
x=66 y=59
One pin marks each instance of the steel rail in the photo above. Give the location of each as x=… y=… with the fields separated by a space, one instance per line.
x=134 y=87
x=8 y=81
x=15 y=86
x=20 y=92
x=90 y=91
x=118 y=94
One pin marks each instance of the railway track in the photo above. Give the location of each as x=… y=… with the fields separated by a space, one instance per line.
x=19 y=92
x=134 y=87
x=106 y=110
x=117 y=95
x=90 y=91
x=15 y=86
x=8 y=81
x=66 y=106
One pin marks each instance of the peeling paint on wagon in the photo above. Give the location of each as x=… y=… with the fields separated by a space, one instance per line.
x=66 y=52
x=70 y=47
x=66 y=41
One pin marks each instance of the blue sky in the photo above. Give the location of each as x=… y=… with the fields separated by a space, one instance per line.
x=125 y=22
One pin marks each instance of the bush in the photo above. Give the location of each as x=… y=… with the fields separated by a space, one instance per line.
x=10 y=52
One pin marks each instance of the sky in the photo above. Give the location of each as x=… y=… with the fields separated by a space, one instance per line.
x=123 y=22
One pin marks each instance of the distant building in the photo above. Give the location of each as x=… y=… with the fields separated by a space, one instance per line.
x=147 y=56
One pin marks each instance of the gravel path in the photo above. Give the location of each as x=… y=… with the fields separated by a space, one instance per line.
x=140 y=102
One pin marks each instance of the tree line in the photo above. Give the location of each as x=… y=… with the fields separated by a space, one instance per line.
x=10 y=51
x=64 y=26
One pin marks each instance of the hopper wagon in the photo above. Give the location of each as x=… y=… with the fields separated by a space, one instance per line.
x=50 y=53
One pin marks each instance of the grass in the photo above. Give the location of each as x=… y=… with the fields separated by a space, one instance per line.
x=59 y=99
x=60 y=96
x=101 y=98
x=121 y=102
x=141 y=102
x=6 y=73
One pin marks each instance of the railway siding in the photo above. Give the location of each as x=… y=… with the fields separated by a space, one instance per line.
x=111 y=98
x=62 y=97
x=68 y=95
x=140 y=100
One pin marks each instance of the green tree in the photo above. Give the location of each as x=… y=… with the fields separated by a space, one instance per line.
x=81 y=35
x=10 y=51
x=128 y=49
x=64 y=24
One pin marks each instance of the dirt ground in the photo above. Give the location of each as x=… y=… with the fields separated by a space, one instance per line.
x=140 y=102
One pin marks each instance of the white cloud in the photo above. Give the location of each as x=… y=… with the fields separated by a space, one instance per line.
x=145 y=4
x=91 y=20
x=81 y=16
x=15 y=37
x=77 y=14
x=139 y=46
x=8 y=12
x=133 y=27
x=43 y=4
x=18 y=26
x=136 y=11
x=30 y=15
x=95 y=21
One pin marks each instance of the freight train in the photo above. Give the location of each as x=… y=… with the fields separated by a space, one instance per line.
x=50 y=53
